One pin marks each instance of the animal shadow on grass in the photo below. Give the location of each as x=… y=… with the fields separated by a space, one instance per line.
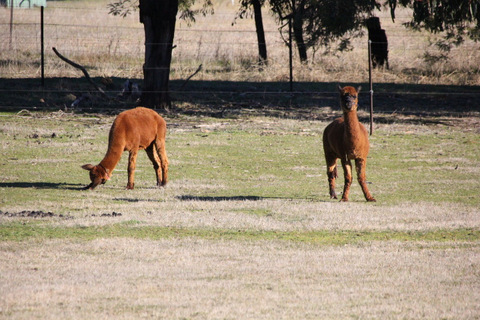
x=236 y=198
x=135 y=200
x=42 y=185
x=219 y=198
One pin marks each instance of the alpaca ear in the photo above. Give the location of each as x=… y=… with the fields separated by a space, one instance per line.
x=359 y=88
x=339 y=88
x=88 y=167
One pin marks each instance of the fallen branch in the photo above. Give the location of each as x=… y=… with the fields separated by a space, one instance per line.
x=193 y=74
x=76 y=65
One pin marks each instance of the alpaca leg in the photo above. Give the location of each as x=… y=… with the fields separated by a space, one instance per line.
x=347 y=171
x=361 y=165
x=153 y=156
x=332 y=175
x=162 y=154
x=132 y=161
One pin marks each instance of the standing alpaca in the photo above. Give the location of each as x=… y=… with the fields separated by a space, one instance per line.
x=347 y=139
x=132 y=130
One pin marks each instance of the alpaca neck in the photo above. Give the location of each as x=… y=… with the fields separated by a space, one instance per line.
x=112 y=157
x=352 y=126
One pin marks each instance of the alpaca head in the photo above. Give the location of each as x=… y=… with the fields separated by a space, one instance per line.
x=348 y=98
x=98 y=175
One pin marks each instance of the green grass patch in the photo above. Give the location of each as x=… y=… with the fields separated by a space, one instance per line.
x=251 y=158
x=131 y=229
x=260 y=212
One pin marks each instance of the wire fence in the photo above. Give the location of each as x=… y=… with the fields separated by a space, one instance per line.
x=113 y=48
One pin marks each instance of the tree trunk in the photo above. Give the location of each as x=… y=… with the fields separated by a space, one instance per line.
x=158 y=18
x=262 y=45
x=298 y=32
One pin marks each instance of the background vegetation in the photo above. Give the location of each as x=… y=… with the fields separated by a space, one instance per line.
x=113 y=47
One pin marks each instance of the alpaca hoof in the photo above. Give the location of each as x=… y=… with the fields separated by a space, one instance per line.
x=371 y=200
x=344 y=200
x=129 y=187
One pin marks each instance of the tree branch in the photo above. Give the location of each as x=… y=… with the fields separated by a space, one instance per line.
x=76 y=65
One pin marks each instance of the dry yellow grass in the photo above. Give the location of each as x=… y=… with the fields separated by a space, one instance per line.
x=125 y=278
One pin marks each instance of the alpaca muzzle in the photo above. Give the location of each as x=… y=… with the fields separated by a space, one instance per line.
x=88 y=187
x=350 y=103
x=94 y=184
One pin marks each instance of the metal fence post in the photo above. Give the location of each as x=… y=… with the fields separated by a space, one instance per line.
x=42 y=45
x=290 y=52
x=11 y=23
x=371 y=84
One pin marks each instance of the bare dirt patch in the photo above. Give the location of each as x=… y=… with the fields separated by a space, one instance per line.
x=113 y=214
x=43 y=214
x=33 y=214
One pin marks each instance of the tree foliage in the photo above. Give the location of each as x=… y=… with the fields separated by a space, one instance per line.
x=123 y=8
x=188 y=14
x=456 y=19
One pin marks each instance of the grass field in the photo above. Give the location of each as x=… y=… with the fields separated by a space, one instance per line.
x=245 y=228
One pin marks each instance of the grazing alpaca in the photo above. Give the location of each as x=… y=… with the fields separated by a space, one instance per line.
x=347 y=139
x=134 y=129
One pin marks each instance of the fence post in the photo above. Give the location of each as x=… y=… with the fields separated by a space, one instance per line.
x=371 y=83
x=11 y=23
x=42 y=45
x=290 y=52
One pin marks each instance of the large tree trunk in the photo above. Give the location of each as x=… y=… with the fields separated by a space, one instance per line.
x=262 y=45
x=158 y=18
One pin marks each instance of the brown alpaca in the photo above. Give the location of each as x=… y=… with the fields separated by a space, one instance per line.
x=132 y=130
x=346 y=138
